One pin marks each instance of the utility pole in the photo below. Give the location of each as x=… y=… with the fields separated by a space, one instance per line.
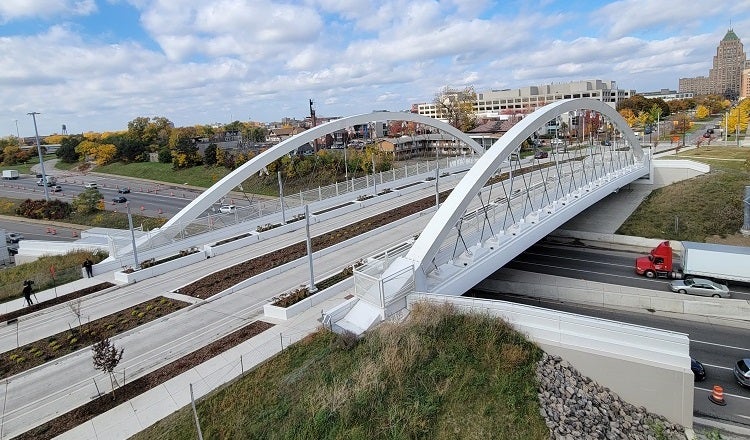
x=18 y=134
x=314 y=123
x=41 y=159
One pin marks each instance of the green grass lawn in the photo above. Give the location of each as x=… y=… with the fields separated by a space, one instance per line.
x=196 y=176
x=25 y=168
x=697 y=208
x=438 y=375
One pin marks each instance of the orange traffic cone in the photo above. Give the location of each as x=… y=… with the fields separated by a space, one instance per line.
x=717 y=396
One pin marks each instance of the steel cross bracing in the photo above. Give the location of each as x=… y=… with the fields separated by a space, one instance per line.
x=505 y=203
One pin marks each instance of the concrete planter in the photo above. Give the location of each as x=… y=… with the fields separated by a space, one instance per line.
x=159 y=269
x=311 y=301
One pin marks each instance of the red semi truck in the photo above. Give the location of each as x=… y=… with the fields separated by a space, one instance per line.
x=714 y=261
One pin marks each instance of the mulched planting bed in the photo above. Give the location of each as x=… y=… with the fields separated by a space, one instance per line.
x=218 y=281
x=139 y=386
x=59 y=300
x=52 y=347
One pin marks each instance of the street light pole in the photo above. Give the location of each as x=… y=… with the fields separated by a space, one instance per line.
x=18 y=134
x=41 y=159
x=132 y=237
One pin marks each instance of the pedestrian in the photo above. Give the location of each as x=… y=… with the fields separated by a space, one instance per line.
x=27 y=291
x=88 y=265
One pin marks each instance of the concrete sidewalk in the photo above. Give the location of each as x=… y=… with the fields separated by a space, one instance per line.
x=63 y=289
x=141 y=412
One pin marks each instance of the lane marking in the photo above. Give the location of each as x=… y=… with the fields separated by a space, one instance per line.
x=720 y=345
x=726 y=394
x=593 y=272
x=576 y=259
x=717 y=366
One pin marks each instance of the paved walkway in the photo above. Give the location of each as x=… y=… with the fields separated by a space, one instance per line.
x=148 y=408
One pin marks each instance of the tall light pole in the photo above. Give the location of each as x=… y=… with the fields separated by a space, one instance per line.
x=41 y=159
x=132 y=237
x=18 y=134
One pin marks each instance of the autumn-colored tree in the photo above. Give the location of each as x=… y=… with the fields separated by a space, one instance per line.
x=101 y=154
x=457 y=107
x=10 y=154
x=629 y=116
x=702 y=112
x=54 y=139
x=681 y=124
x=87 y=201
x=737 y=120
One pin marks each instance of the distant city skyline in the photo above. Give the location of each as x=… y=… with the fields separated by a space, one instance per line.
x=94 y=65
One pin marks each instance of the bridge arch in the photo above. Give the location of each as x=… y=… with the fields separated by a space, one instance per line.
x=206 y=199
x=450 y=212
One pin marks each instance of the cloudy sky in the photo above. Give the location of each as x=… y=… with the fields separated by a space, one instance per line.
x=97 y=64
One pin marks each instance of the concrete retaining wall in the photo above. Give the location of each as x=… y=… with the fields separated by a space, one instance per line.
x=728 y=311
x=669 y=171
x=646 y=367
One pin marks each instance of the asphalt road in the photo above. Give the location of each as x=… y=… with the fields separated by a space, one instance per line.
x=717 y=347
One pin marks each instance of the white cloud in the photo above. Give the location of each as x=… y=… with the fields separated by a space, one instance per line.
x=17 y=9
x=207 y=60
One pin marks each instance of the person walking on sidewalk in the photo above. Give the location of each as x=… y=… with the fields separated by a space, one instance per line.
x=87 y=265
x=27 y=292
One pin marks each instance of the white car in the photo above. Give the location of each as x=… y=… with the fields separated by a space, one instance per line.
x=700 y=287
x=227 y=209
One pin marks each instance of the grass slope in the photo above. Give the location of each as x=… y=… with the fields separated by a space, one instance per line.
x=700 y=207
x=439 y=375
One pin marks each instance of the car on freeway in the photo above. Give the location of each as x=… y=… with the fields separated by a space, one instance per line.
x=742 y=372
x=699 y=372
x=13 y=249
x=119 y=199
x=55 y=188
x=540 y=154
x=700 y=287
x=13 y=237
x=227 y=209
x=124 y=190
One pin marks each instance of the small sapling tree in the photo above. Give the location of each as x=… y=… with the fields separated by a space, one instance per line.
x=106 y=358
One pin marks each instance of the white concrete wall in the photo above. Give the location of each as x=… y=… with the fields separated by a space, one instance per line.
x=728 y=311
x=644 y=366
x=669 y=171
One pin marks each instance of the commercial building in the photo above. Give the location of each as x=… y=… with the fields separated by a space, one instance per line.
x=668 y=95
x=494 y=103
x=745 y=82
x=725 y=76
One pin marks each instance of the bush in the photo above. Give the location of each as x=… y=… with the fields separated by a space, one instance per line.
x=44 y=210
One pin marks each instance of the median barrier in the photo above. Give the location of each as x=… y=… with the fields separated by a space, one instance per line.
x=734 y=312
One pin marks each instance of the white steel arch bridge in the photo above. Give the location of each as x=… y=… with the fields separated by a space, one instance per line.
x=216 y=192
x=505 y=204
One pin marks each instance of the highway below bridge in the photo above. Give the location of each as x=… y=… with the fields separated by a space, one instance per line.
x=717 y=346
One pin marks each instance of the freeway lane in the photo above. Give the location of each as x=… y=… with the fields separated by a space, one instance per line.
x=606 y=266
x=718 y=347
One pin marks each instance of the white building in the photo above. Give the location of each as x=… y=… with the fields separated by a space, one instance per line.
x=526 y=99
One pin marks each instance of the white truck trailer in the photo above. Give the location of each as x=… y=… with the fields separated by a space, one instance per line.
x=717 y=261
x=10 y=174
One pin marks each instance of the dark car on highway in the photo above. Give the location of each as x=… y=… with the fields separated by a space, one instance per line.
x=124 y=190
x=698 y=371
x=540 y=155
x=119 y=199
